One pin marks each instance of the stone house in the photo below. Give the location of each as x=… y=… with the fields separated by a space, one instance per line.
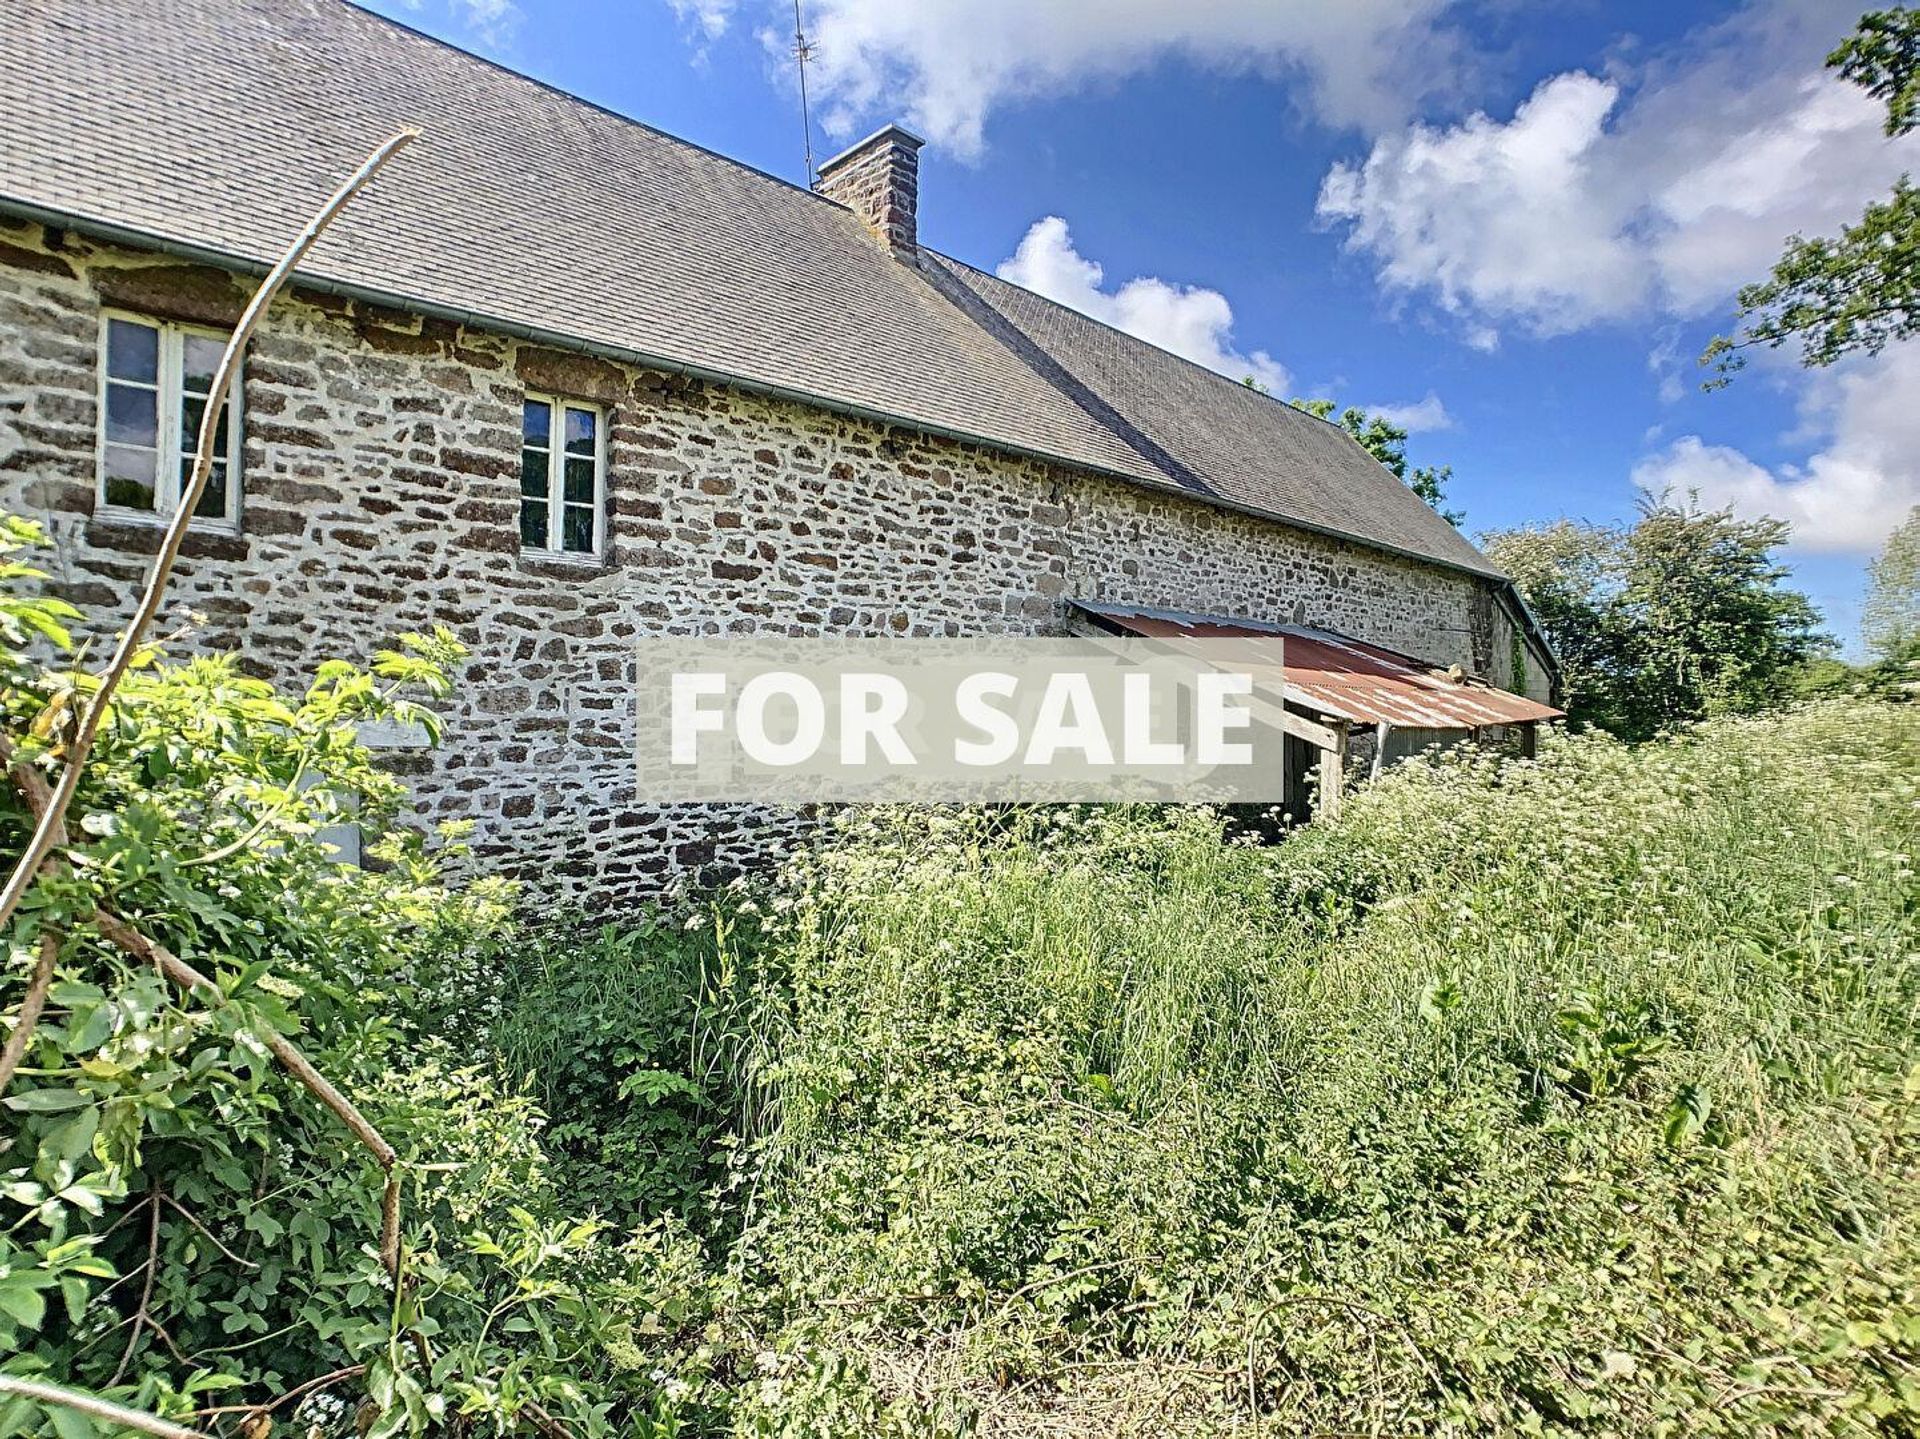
x=561 y=381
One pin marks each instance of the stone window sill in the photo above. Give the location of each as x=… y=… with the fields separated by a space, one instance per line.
x=557 y=565
x=142 y=534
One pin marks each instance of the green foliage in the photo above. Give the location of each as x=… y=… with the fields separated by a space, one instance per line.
x=1890 y=613
x=1860 y=292
x=1855 y=294
x=1567 y=1097
x=1387 y=443
x=1681 y=615
x=182 y=1226
x=1882 y=57
x=622 y=1033
x=1575 y=1097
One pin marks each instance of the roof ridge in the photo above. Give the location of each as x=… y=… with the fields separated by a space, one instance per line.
x=581 y=100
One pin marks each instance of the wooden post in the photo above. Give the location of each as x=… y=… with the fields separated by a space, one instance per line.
x=1333 y=772
x=1529 y=739
x=1380 y=733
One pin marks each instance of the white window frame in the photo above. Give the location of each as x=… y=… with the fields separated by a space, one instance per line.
x=170 y=442
x=557 y=406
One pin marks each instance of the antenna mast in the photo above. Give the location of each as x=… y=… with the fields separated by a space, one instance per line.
x=803 y=52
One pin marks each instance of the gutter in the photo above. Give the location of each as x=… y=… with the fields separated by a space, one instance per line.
x=135 y=238
x=1522 y=617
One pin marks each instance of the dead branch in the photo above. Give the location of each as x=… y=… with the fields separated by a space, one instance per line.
x=51 y=803
x=130 y=941
x=545 y=1422
x=151 y=1267
x=94 y=1407
x=135 y=945
x=45 y=833
x=28 y=1018
x=211 y=1238
x=299 y=1391
x=42 y=978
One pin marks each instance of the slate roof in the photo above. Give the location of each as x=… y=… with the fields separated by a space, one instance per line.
x=215 y=127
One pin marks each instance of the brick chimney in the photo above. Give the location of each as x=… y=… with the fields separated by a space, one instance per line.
x=879 y=180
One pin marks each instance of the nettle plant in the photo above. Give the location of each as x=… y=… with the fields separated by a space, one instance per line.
x=184 y=1229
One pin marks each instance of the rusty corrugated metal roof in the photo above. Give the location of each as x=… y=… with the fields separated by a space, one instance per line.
x=1334 y=674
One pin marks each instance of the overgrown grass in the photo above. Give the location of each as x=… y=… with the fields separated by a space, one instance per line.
x=1571 y=1097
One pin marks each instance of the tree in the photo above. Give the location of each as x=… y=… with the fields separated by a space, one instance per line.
x=1890 y=615
x=1714 y=629
x=1387 y=443
x=1882 y=57
x=1861 y=291
x=1681 y=615
x=1566 y=571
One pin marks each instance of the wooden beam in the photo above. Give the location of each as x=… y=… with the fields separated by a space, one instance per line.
x=1333 y=773
x=1380 y=733
x=1317 y=735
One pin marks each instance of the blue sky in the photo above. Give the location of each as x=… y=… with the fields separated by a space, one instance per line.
x=1516 y=224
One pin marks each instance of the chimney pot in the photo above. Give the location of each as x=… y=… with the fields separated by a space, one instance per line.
x=879 y=180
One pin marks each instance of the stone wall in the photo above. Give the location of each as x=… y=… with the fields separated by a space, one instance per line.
x=381 y=454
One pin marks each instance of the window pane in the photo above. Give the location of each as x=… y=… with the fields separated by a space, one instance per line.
x=133 y=351
x=533 y=523
x=129 y=477
x=213 y=499
x=579 y=480
x=536 y=424
x=580 y=428
x=579 y=529
x=533 y=474
x=199 y=357
x=192 y=408
x=132 y=416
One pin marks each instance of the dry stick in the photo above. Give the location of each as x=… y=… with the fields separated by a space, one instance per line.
x=130 y=941
x=352 y=1371
x=140 y=1320
x=42 y=979
x=133 y=943
x=95 y=1407
x=30 y=1007
x=195 y=1220
x=44 y=839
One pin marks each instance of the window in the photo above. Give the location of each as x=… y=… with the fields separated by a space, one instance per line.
x=561 y=467
x=154 y=383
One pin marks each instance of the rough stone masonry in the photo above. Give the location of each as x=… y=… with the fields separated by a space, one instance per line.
x=380 y=494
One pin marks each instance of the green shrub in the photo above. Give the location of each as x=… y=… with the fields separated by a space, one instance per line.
x=185 y=1229
x=620 y=1030
x=1570 y=1097
x=1566 y=1097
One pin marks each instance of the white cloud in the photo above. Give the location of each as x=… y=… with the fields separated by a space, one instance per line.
x=1604 y=198
x=494 y=23
x=1668 y=363
x=709 y=17
x=1852 y=492
x=1190 y=321
x=945 y=65
x=1421 y=417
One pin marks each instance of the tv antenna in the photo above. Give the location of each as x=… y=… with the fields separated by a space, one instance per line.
x=803 y=52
